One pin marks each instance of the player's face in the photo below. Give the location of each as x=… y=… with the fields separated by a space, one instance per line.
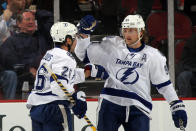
x=130 y=35
x=71 y=43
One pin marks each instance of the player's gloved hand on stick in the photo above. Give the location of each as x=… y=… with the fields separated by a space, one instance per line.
x=178 y=113
x=97 y=71
x=80 y=107
x=87 y=25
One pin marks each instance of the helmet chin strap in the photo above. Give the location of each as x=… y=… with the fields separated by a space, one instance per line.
x=136 y=42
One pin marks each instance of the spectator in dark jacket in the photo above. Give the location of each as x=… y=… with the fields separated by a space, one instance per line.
x=8 y=18
x=30 y=44
x=109 y=12
x=8 y=83
x=187 y=68
x=32 y=41
x=190 y=10
x=144 y=8
x=8 y=11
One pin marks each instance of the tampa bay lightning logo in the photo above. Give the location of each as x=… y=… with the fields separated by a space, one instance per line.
x=65 y=24
x=127 y=75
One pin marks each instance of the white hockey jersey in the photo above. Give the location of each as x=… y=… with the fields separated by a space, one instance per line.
x=131 y=72
x=63 y=65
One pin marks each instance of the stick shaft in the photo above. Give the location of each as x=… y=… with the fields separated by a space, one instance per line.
x=181 y=125
x=68 y=94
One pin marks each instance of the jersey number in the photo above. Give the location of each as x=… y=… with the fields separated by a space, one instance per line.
x=68 y=73
x=41 y=78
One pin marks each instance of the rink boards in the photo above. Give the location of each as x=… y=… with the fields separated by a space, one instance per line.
x=14 y=116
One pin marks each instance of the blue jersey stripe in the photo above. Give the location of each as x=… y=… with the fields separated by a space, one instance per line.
x=86 y=59
x=159 y=86
x=59 y=78
x=126 y=94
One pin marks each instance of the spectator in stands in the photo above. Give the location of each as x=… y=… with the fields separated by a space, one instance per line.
x=7 y=19
x=190 y=10
x=44 y=4
x=9 y=9
x=187 y=67
x=109 y=11
x=144 y=8
x=8 y=83
x=113 y=12
x=69 y=10
x=30 y=44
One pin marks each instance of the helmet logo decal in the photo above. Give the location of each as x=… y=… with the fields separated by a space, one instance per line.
x=65 y=24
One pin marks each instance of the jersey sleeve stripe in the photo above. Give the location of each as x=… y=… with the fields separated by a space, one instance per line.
x=159 y=86
x=126 y=94
x=59 y=78
x=86 y=59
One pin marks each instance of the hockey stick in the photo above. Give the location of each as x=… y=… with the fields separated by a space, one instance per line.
x=68 y=94
x=181 y=125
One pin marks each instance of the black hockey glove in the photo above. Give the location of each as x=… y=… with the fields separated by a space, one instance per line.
x=97 y=71
x=80 y=107
x=87 y=25
x=178 y=113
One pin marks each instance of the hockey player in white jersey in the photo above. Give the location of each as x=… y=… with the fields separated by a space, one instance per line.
x=50 y=107
x=132 y=67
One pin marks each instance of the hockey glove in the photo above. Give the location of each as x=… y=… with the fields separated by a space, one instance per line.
x=87 y=25
x=80 y=107
x=97 y=71
x=178 y=113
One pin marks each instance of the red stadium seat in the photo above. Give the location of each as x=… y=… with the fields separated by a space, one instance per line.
x=157 y=5
x=157 y=26
x=130 y=6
